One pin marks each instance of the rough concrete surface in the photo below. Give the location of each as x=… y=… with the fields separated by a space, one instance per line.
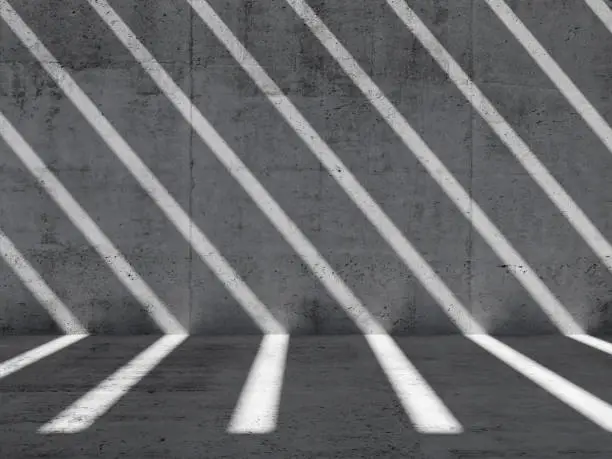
x=336 y=401
x=336 y=398
x=281 y=161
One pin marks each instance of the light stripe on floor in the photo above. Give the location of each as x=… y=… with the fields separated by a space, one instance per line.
x=590 y=406
x=426 y=409
x=84 y=412
x=27 y=358
x=592 y=341
x=257 y=409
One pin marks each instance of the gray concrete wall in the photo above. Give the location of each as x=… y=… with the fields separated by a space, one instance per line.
x=242 y=115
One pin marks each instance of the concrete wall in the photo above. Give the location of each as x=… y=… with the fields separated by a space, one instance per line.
x=242 y=115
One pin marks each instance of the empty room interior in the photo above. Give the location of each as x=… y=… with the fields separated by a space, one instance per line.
x=306 y=229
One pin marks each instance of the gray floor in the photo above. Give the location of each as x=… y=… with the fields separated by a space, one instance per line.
x=336 y=401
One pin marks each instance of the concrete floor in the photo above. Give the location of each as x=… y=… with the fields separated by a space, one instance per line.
x=336 y=401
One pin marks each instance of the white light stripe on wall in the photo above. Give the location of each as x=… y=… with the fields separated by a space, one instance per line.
x=125 y=273
x=470 y=209
x=58 y=311
x=335 y=167
x=207 y=251
x=550 y=67
x=538 y=172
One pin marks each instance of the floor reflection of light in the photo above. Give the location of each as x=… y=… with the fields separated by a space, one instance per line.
x=21 y=361
x=257 y=408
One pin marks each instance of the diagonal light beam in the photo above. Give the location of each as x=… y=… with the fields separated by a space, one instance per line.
x=591 y=407
x=453 y=189
x=556 y=74
x=470 y=209
x=602 y=11
x=79 y=217
x=401 y=373
x=200 y=243
x=346 y=180
x=56 y=308
x=538 y=172
x=333 y=165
